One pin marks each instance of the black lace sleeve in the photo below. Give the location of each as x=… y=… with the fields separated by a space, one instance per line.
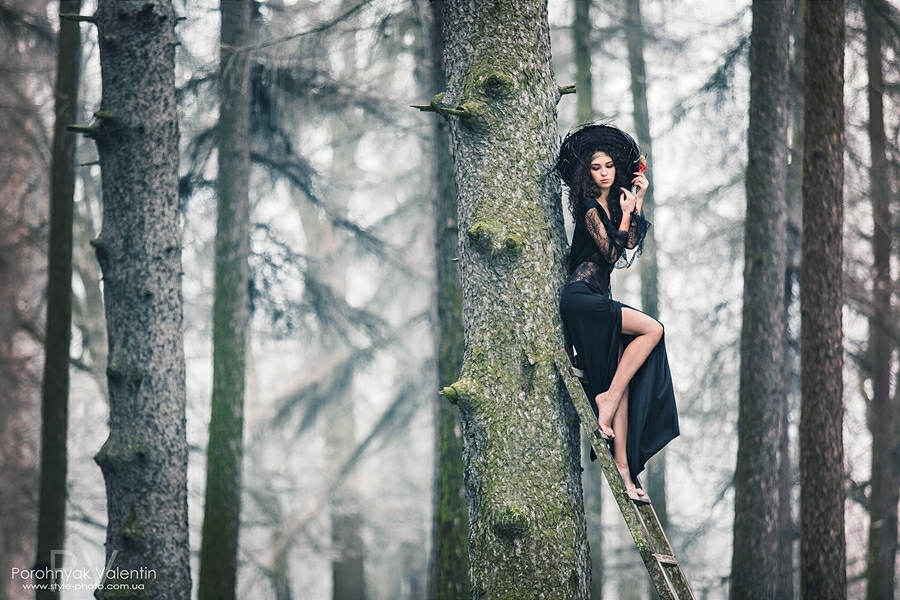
x=610 y=242
x=636 y=233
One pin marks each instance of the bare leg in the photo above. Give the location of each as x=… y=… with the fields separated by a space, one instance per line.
x=647 y=331
x=620 y=426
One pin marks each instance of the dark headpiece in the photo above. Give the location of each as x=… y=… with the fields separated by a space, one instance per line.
x=581 y=144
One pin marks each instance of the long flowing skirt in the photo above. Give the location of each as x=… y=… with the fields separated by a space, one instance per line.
x=593 y=325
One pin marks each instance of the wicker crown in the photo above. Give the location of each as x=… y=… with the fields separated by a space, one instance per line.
x=581 y=144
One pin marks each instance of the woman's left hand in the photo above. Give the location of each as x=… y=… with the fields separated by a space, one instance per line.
x=640 y=184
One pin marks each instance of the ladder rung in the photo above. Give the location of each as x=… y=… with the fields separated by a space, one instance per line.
x=665 y=559
x=577 y=373
x=635 y=497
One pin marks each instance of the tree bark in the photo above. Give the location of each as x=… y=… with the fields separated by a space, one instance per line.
x=55 y=398
x=222 y=508
x=449 y=569
x=822 y=544
x=520 y=430
x=762 y=397
x=144 y=460
x=885 y=493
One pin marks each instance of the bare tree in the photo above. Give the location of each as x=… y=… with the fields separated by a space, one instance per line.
x=55 y=403
x=592 y=478
x=822 y=543
x=762 y=398
x=649 y=265
x=521 y=442
x=23 y=190
x=581 y=44
x=883 y=423
x=222 y=507
x=144 y=460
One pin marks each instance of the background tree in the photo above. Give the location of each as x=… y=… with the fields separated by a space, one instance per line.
x=883 y=423
x=25 y=87
x=592 y=477
x=762 y=397
x=649 y=264
x=55 y=399
x=449 y=569
x=581 y=49
x=521 y=442
x=222 y=507
x=791 y=367
x=330 y=249
x=822 y=543
x=144 y=460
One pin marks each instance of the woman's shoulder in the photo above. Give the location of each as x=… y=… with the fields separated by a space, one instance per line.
x=586 y=204
x=591 y=203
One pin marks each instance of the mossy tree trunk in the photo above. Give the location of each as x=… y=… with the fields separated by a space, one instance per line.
x=885 y=493
x=144 y=460
x=520 y=430
x=762 y=397
x=823 y=573
x=55 y=400
x=222 y=507
x=449 y=568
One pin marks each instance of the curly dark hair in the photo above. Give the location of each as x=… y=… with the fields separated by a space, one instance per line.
x=574 y=164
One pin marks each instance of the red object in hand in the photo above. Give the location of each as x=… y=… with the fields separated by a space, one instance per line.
x=642 y=164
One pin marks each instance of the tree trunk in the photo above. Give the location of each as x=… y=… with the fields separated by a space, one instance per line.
x=592 y=476
x=581 y=44
x=449 y=569
x=790 y=370
x=520 y=430
x=885 y=485
x=55 y=400
x=23 y=189
x=345 y=504
x=649 y=265
x=222 y=509
x=144 y=460
x=762 y=397
x=822 y=545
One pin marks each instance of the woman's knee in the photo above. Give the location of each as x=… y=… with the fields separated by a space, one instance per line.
x=638 y=323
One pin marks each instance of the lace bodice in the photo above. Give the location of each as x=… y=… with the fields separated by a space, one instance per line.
x=598 y=246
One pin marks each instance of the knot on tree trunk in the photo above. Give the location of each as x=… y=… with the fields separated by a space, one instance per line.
x=511 y=523
x=489 y=237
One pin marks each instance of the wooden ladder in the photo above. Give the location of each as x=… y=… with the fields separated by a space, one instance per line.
x=641 y=519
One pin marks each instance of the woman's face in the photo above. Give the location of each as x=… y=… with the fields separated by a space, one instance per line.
x=603 y=170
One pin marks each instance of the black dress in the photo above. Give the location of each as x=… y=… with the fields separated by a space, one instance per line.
x=593 y=326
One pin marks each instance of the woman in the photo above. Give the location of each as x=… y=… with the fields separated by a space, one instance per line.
x=620 y=349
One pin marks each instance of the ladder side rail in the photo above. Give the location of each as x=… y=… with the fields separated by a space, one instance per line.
x=667 y=587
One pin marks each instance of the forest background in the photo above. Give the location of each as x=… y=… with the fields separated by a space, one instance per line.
x=341 y=367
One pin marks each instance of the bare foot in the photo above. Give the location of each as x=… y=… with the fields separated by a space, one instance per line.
x=606 y=410
x=625 y=474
